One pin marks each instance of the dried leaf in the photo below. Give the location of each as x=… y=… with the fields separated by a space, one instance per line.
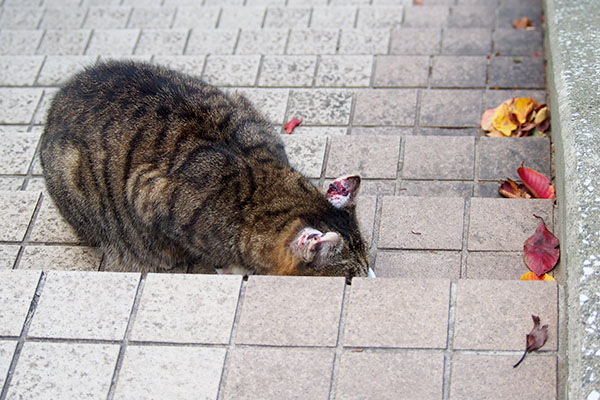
x=486 y=120
x=531 y=276
x=292 y=124
x=494 y=133
x=541 y=115
x=534 y=339
x=538 y=184
x=502 y=122
x=523 y=106
x=510 y=189
x=540 y=251
x=522 y=23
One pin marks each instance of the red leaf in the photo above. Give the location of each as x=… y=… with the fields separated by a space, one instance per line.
x=538 y=184
x=534 y=339
x=293 y=123
x=540 y=251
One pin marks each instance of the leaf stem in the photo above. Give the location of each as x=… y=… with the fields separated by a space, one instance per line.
x=522 y=358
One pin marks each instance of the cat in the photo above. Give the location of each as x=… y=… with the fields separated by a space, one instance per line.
x=163 y=171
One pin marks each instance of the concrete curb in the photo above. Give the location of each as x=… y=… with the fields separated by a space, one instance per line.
x=573 y=50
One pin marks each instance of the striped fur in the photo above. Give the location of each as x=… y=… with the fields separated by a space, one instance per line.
x=165 y=172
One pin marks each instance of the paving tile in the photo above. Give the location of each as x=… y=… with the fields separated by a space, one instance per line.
x=333 y=17
x=191 y=65
x=495 y=265
x=8 y=255
x=288 y=71
x=438 y=157
x=264 y=41
x=489 y=189
x=416 y=41
x=459 y=71
x=193 y=17
x=381 y=131
x=66 y=258
x=505 y=224
x=379 y=17
x=320 y=131
x=467 y=41
x=392 y=312
x=435 y=188
x=63 y=370
x=17 y=151
x=385 y=107
x=457 y=108
x=287 y=17
x=425 y=16
x=320 y=106
x=365 y=214
x=64 y=42
x=418 y=264
x=151 y=17
x=439 y=224
x=276 y=373
x=494 y=97
x=344 y=71
x=472 y=16
x=500 y=157
x=271 y=102
x=21 y=17
x=113 y=42
x=517 y=72
x=19 y=70
x=211 y=42
x=63 y=18
x=170 y=372
x=354 y=155
x=312 y=41
x=510 y=10
x=474 y=132
x=11 y=183
x=493 y=304
x=367 y=375
x=518 y=42
x=71 y=293
x=107 y=17
x=18 y=288
x=291 y=311
x=183 y=308
x=42 y=111
x=50 y=226
x=401 y=71
x=7 y=349
x=231 y=70
x=241 y=17
x=58 y=69
x=17 y=105
x=17 y=210
x=19 y=42
x=162 y=41
x=485 y=377
x=364 y=41
x=306 y=154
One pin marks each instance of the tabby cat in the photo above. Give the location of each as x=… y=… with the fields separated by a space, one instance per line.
x=164 y=171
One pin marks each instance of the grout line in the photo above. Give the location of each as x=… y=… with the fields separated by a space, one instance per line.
x=449 y=344
x=339 y=348
x=465 y=238
x=231 y=346
x=24 y=242
x=23 y=335
x=125 y=341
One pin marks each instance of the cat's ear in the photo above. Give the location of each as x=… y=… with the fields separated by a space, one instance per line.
x=311 y=244
x=343 y=190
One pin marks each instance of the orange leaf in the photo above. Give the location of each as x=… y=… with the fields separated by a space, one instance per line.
x=540 y=251
x=522 y=23
x=522 y=108
x=502 y=122
x=531 y=276
x=538 y=184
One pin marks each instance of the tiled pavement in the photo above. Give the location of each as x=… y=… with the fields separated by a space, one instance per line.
x=388 y=89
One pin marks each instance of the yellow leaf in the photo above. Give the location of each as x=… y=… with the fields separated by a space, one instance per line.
x=531 y=276
x=501 y=120
x=494 y=133
x=541 y=115
x=522 y=107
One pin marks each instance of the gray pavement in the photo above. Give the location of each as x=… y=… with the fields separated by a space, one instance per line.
x=386 y=89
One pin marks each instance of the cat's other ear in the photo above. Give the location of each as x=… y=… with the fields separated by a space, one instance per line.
x=311 y=244
x=343 y=190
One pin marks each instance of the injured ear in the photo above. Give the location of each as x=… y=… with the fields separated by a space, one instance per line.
x=312 y=243
x=343 y=190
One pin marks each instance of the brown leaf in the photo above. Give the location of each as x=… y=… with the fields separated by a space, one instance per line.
x=510 y=189
x=535 y=339
x=522 y=23
x=540 y=251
